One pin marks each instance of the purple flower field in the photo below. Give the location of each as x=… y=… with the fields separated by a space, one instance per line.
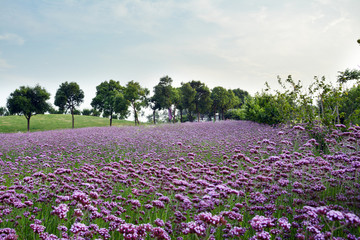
x=224 y=180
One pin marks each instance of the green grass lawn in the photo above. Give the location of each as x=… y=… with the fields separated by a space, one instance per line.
x=44 y=122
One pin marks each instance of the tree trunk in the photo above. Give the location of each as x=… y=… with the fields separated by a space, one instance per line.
x=111 y=119
x=135 y=114
x=72 y=117
x=28 y=123
x=174 y=114
x=214 y=115
x=154 y=116
x=169 y=114
x=181 y=118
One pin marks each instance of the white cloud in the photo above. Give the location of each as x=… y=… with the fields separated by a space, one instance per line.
x=4 y=64
x=12 y=38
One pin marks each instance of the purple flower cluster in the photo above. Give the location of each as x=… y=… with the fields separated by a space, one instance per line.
x=224 y=180
x=258 y=223
x=61 y=210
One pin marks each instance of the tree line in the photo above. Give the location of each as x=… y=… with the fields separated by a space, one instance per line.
x=194 y=101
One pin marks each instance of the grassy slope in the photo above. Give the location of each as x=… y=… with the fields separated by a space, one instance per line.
x=10 y=124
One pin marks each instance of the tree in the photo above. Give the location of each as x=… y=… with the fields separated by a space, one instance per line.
x=68 y=97
x=110 y=100
x=242 y=95
x=350 y=106
x=86 y=112
x=218 y=95
x=136 y=97
x=154 y=105
x=28 y=101
x=176 y=102
x=230 y=100
x=348 y=75
x=163 y=95
x=187 y=97
x=202 y=98
x=4 y=111
x=262 y=108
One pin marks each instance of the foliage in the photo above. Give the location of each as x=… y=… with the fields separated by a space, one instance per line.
x=202 y=100
x=86 y=112
x=165 y=96
x=136 y=97
x=263 y=108
x=350 y=106
x=4 y=111
x=95 y=112
x=110 y=99
x=348 y=75
x=242 y=95
x=68 y=97
x=187 y=98
x=52 y=110
x=28 y=101
x=218 y=97
x=236 y=114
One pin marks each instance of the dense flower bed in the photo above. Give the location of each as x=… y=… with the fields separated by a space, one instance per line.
x=225 y=180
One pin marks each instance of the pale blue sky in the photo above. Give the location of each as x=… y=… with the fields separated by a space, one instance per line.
x=229 y=43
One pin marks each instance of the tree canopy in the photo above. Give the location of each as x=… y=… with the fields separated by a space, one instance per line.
x=136 y=96
x=186 y=101
x=68 y=97
x=164 y=95
x=202 y=100
x=28 y=101
x=110 y=99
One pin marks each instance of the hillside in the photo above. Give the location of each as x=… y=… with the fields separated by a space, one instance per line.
x=44 y=122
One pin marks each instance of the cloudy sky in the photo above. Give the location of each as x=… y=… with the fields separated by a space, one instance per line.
x=229 y=43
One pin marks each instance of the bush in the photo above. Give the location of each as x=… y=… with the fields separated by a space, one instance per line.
x=86 y=112
x=236 y=114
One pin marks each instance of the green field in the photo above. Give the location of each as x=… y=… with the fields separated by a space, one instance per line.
x=44 y=122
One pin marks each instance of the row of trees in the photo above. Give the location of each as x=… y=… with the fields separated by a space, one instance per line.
x=292 y=104
x=193 y=100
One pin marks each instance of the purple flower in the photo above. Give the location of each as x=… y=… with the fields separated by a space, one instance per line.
x=158 y=204
x=352 y=219
x=262 y=236
x=333 y=215
x=160 y=233
x=284 y=223
x=81 y=197
x=260 y=222
x=61 y=210
x=78 y=228
x=159 y=222
x=210 y=219
x=237 y=231
x=37 y=228
x=129 y=231
x=194 y=227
